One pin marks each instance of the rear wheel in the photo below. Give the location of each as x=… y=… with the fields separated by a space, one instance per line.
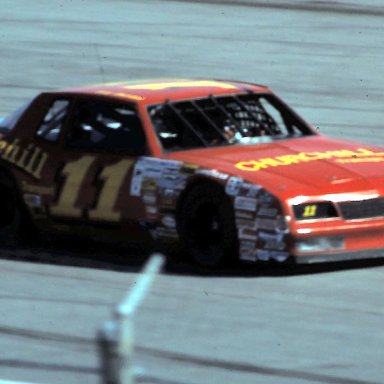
x=10 y=217
x=207 y=227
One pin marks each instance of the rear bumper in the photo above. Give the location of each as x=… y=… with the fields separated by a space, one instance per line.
x=340 y=256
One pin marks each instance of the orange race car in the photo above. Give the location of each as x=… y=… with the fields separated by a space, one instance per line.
x=225 y=169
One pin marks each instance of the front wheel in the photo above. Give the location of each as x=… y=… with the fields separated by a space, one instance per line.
x=207 y=226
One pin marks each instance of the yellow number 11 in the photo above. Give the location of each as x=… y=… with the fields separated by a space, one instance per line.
x=75 y=172
x=310 y=210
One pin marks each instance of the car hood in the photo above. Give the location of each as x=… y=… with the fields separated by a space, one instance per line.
x=310 y=166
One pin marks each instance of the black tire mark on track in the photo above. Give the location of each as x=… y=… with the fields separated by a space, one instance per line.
x=325 y=7
x=58 y=301
x=174 y=356
x=49 y=336
x=251 y=368
x=11 y=363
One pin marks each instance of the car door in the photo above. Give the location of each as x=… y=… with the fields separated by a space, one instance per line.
x=92 y=168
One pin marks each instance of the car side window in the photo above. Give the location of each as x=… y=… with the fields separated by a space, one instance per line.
x=107 y=127
x=52 y=123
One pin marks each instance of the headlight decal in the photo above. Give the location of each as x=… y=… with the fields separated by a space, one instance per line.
x=315 y=211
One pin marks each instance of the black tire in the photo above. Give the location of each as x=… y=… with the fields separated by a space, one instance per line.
x=207 y=227
x=10 y=217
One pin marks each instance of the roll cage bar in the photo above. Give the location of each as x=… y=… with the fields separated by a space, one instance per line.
x=231 y=107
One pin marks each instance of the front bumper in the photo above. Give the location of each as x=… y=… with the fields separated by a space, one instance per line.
x=339 y=256
x=347 y=240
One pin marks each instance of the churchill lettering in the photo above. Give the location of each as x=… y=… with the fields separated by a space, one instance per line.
x=29 y=158
x=360 y=155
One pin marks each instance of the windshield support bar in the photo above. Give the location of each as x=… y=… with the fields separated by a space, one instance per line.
x=208 y=120
x=186 y=123
x=242 y=105
x=54 y=120
x=228 y=115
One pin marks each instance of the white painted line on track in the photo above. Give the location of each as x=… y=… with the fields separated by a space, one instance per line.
x=14 y=382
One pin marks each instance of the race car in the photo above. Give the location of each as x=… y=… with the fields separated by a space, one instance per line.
x=224 y=170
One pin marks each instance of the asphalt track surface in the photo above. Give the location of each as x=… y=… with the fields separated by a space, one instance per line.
x=315 y=324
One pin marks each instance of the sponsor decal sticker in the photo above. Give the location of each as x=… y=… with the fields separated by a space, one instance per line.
x=149 y=197
x=148 y=184
x=247 y=254
x=137 y=178
x=169 y=221
x=265 y=198
x=233 y=186
x=246 y=203
x=246 y=233
x=150 y=173
x=250 y=190
x=244 y=215
x=151 y=212
x=167 y=232
x=267 y=212
x=272 y=240
x=212 y=173
x=263 y=223
x=245 y=223
x=248 y=244
x=168 y=197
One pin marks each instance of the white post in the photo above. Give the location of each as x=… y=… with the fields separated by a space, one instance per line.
x=125 y=312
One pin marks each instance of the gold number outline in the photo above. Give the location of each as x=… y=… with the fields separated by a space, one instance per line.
x=75 y=172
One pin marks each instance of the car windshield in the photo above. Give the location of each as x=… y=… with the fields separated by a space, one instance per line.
x=225 y=120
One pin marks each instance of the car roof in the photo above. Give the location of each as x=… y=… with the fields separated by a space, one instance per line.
x=155 y=91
